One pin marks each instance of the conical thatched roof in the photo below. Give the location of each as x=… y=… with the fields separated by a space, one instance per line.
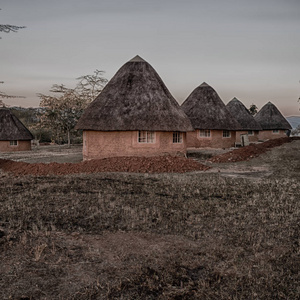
x=206 y=110
x=269 y=118
x=135 y=99
x=11 y=128
x=242 y=115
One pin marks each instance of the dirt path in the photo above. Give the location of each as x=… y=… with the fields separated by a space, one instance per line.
x=268 y=163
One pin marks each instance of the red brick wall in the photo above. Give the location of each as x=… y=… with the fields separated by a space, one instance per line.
x=101 y=144
x=269 y=135
x=22 y=146
x=216 y=139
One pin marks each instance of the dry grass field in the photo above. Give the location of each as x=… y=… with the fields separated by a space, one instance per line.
x=228 y=233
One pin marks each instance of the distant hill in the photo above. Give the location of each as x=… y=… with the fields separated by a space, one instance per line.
x=294 y=121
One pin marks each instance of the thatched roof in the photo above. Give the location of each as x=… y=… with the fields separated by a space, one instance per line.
x=242 y=115
x=135 y=99
x=206 y=110
x=270 y=118
x=11 y=128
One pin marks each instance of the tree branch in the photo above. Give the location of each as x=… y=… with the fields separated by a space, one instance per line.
x=8 y=28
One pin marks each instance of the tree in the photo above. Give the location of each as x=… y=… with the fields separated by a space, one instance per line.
x=3 y=95
x=253 y=109
x=65 y=106
x=89 y=86
x=9 y=28
x=61 y=112
x=2 y=104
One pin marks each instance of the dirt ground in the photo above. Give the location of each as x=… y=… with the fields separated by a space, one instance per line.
x=267 y=162
x=47 y=154
x=61 y=160
x=210 y=234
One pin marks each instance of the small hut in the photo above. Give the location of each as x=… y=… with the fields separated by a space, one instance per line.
x=273 y=123
x=214 y=126
x=134 y=115
x=14 y=136
x=250 y=128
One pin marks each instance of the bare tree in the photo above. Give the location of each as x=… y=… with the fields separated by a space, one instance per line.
x=5 y=96
x=9 y=28
x=65 y=106
x=89 y=86
x=61 y=113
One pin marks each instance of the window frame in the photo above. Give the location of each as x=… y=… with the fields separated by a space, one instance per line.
x=226 y=134
x=206 y=133
x=177 y=137
x=250 y=132
x=149 y=137
x=275 y=131
x=13 y=143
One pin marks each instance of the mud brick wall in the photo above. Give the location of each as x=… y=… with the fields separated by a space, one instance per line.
x=22 y=146
x=102 y=144
x=252 y=138
x=269 y=135
x=216 y=139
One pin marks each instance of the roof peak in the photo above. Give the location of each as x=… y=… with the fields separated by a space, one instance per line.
x=137 y=58
x=203 y=84
x=135 y=98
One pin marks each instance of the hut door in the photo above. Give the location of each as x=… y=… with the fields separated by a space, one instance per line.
x=244 y=140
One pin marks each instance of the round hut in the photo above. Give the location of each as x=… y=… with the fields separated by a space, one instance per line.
x=250 y=127
x=214 y=126
x=273 y=123
x=134 y=115
x=14 y=136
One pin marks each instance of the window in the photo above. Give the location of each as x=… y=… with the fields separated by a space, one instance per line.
x=146 y=137
x=205 y=133
x=226 y=133
x=177 y=137
x=250 y=132
x=13 y=143
x=275 y=131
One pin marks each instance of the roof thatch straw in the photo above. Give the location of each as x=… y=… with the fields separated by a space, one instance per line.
x=11 y=128
x=242 y=115
x=206 y=110
x=270 y=118
x=135 y=99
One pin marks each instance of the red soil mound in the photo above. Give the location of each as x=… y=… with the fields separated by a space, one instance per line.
x=115 y=164
x=159 y=164
x=249 y=152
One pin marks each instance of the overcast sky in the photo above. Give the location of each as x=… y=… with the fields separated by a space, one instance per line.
x=242 y=48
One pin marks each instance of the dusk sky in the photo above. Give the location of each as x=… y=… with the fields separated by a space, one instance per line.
x=244 y=49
